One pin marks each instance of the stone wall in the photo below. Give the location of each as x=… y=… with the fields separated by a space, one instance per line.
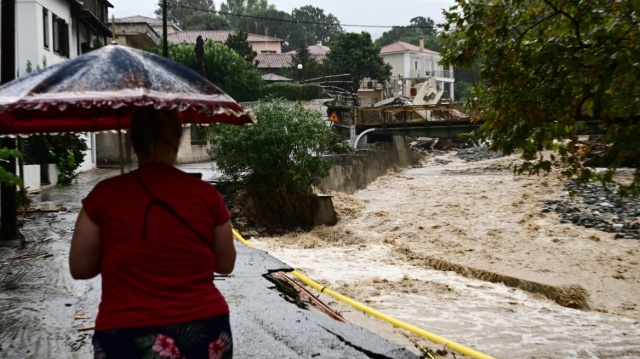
x=355 y=171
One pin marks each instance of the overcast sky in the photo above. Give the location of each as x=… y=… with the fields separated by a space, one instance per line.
x=349 y=12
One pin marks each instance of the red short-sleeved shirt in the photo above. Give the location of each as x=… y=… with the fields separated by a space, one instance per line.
x=166 y=277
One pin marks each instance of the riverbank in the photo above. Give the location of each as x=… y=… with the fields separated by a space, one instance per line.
x=482 y=257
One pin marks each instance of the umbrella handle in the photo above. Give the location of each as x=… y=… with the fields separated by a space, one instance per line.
x=120 y=142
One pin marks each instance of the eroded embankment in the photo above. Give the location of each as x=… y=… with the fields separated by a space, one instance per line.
x=571 y=296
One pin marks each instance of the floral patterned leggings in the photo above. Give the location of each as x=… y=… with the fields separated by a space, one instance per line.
x=208 y=338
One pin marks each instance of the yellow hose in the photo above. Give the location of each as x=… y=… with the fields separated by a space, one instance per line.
x=395 y=322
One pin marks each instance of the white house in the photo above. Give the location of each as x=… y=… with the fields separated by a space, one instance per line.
x=411 y=62
x=52 y=31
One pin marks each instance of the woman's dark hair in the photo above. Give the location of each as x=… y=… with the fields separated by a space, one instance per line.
x=156 y=134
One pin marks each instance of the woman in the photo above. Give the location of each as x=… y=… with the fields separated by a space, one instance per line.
x=156 y=235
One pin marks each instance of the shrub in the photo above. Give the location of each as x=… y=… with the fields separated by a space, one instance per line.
x=278 y=160
x=293 y=91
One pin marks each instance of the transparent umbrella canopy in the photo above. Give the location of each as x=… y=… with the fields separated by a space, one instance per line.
x=101 y=90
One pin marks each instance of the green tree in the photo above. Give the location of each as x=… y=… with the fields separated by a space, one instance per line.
x=223 y=66
x=269 y=22
x=179 y=10
x=206 y=21
x=310 y=67
x=238 y=42
x=233 y=10
x=547 y=66
x=278 y=159
x=357 y=55
x=419 y=26
x=465 y=80
x=65 y=149
x=7 y=178
x=313 y=26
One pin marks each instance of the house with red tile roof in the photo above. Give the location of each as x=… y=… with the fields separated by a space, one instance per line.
x=259 y=43
x=409 y=61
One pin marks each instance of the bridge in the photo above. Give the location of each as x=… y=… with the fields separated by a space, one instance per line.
x=437 y=121
x=446 y=121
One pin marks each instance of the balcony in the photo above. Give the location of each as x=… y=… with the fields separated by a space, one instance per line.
x=447 y=74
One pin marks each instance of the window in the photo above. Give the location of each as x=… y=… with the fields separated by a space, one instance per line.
x=200 y=134
x=267 y=52
x=60 y=36
x=416 y=65
x=45 y=27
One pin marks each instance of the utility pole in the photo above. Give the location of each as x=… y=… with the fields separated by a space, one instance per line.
x=165 y=49
x=9 y=219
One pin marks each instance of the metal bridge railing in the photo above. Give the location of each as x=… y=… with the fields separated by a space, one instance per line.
x=408 y=115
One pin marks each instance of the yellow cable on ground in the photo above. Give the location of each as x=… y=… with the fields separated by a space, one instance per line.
x=395 y=322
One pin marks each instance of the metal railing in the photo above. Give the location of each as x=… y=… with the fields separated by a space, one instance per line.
x=404 y=115
x=448 y=74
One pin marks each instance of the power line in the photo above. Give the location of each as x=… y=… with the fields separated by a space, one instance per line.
x=172 y=6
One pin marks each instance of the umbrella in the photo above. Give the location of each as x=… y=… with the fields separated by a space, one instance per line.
x=101 y=90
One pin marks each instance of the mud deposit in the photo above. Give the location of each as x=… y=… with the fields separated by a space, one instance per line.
x=467 y=251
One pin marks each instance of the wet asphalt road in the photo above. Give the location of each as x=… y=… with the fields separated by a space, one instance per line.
x=42 y=307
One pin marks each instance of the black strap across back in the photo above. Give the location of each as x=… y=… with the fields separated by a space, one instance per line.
x=162 y=204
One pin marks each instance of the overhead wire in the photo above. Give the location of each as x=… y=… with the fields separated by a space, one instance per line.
x=295 y=21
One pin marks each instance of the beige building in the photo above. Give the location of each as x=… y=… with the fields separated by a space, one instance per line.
x=139 y=32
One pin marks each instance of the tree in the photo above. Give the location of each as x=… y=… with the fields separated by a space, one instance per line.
x=238 y=42
x=419 y=26
x=314 y=26
x=278 y=160
x=224 y=67
x=357 y=55
x=234 y=10
x=426 y=25
x=205 y=21
x=547 y=66
x=310 y=67
x=269 y=22
x=179 y=10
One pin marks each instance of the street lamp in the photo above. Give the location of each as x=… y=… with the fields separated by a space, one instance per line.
x=300 y=72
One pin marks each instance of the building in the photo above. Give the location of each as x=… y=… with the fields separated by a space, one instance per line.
x=414 y=62
x=259 y=43
x=140 y=32
x=52 y=31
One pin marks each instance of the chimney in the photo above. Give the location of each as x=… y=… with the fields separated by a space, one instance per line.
x=421 y=43
x=319 y=43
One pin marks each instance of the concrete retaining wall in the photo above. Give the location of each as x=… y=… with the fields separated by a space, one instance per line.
x=355 y=171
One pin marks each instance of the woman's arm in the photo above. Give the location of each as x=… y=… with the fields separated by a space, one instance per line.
x=85 y=256
x=224 y=250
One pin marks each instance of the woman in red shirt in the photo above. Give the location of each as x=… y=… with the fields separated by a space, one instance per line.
x=156 y=235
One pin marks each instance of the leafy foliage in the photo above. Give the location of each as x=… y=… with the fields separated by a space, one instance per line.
x=547 y=66
x=231 y=8
x=293 y=91
x=313 y=25
x=419 y=26
x=310 y=67
x=206 y=21
x=282 y=152
x=357 y=55
x=238 y=42
x=66 y=150
x=223 y=66
x=7 y=178
x=178 y=11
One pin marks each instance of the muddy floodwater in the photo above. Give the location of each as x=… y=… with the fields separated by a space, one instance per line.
x=462 y=250
x=465 y=251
